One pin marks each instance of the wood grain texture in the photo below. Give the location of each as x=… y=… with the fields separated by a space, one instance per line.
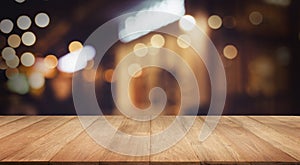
x=236 y=140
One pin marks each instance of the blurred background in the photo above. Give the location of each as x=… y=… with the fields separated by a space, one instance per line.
x=258 y=42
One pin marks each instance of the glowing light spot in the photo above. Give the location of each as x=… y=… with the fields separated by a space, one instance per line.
x=187 y=22
x=140 y=49
x=90 y=65
x=134 y=70
x=90 y=75
x=75 y=61
x=11 y=73
x=74 y=46
x=24 y=22
x=108 y=74
x=27 y=59
x=214 y=22
x=51 y=61
x=157 y=41
x=36 y=80
x=14 y=41
x=3 y=65
x=28 y=38
x=14 y=62
x=18 y=84
x=42 y=20
x=184 y=41
x=256 y=18
x=20 y=1
x=230 y=51
x=8 y=53
x=6 y=26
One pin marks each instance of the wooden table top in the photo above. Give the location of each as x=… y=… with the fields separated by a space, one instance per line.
x=237 y=139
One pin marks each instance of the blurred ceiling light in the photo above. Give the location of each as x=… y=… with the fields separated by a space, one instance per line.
x=108 y=74
x=20 y=1
x=140 y=50
x=187 y=22
x=214 y=22
x=6 y=26
x=283 y=3
x=18 y=84
x=14 y=41
x=42 y=20
x=157 y=41
x=255 y=18
x=90 y=75
x=75 y=61
x=75 y=45
x=27 y=59
x=230 y=51
x=8 y=53
x=12 y=73
x=14 y=62
x=36 y=80
x=134 y=70
x=24 y=22
x=50 y=61
x=146 y=20
x=3 y=65
x=184 y=41
x=28 y=38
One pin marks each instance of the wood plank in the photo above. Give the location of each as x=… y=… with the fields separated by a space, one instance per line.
x=290 y=120
x=18 y=124
x=29 y=134
x=5 y=119
x=89 y=151
x=275 y=138
x=130 y=127
x=181 y=152
x=47 y=146
x=248 y=147
x=283 y=127
x=213 y=149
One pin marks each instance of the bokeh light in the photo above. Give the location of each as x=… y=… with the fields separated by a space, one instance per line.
x=24 y=22
x=135 y=70
x=187 y=22
x=184 y=41
x=28 y=38
x=8 y=53
x=6 y=26
x=214 y=22
x=18 y=84
x=157 y=41
x=50 y=61
x=14 y=41
x=27 y=59
x=11 y=73
x=90 y=75
x=108 y=74
x=3 y=65
x=74 y=46
x=255 y=18
x=140 y=49
x=230 y=52
x=42 y=20
x=20 y=1
x=36 y=80
x=14 y=62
